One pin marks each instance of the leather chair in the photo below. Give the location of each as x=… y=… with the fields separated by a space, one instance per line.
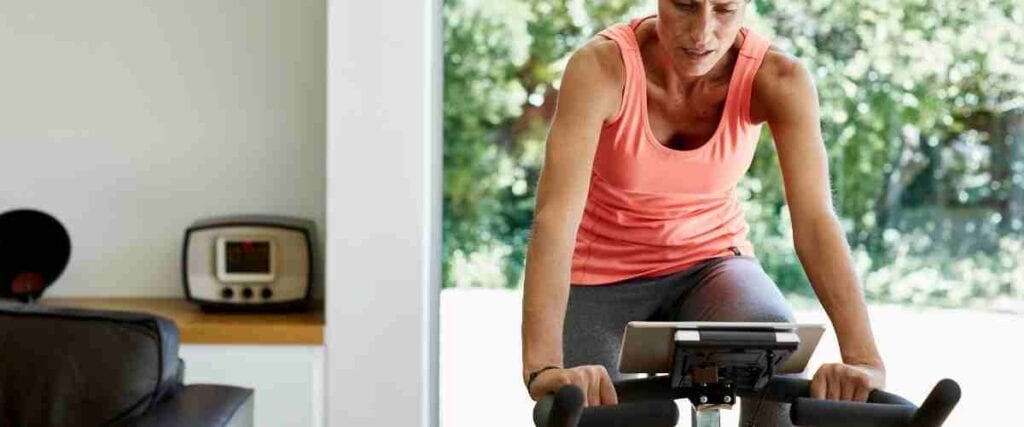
x=76 y=367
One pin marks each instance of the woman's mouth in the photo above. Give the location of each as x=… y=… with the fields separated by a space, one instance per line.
x=697 y=54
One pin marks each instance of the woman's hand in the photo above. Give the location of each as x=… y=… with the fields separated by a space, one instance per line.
x=838 y=381
x=592 y=379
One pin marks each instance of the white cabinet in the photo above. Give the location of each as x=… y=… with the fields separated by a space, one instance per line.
x=288 y=379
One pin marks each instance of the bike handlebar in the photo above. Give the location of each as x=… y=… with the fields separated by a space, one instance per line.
x=565 y=408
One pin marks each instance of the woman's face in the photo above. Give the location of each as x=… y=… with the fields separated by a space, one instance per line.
x=697 y=33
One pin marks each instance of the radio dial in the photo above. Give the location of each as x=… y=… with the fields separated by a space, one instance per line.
x=227 y=293
x=266 y=293
x=246 y=293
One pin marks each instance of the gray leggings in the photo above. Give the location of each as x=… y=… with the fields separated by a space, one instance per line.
x=732 y=288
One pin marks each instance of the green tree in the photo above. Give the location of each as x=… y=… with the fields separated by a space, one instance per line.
x=901 y=84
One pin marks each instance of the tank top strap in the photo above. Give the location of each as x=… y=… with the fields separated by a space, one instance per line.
x=752 y=54
x=622 y=35
x=634 y=80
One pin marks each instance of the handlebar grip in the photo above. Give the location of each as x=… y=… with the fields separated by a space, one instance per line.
x=938 y=405
x=786 y=389
x=882 y=409
x=832 y=413
x=565 y=409
x=561 y=409
x=649 y=413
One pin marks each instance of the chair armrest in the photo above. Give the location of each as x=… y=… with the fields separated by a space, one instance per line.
x=202 y=405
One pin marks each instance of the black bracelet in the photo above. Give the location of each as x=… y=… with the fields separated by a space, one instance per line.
x=533 y=375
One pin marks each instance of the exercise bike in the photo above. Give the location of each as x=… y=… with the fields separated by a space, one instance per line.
x=711 y=363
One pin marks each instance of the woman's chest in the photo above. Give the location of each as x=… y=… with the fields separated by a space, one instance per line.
x=633 y=160
x=685 y=123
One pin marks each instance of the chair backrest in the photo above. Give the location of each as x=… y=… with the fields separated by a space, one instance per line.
x=69 y=366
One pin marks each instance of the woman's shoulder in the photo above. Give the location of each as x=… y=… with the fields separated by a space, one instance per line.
x=597 y=70
x=602 y=56
x=779 y=64
x=779 y=77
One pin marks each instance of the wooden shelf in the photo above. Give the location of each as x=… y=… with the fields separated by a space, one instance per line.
x=196 y=327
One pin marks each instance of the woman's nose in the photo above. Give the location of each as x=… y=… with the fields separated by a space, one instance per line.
x=702 y=30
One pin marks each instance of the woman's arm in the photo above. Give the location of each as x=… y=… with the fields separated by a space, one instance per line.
x=788 y=101
x=589 y=94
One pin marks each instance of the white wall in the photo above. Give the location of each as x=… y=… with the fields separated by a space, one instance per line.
x=128 y=119
x=384 y=211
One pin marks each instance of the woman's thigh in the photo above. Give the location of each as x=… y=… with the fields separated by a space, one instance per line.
x=596 y=317
x=735 y=289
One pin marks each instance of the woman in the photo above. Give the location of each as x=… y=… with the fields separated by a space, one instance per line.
x=637 y=217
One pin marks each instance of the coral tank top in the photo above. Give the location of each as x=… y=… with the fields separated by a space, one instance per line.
x=652 y=210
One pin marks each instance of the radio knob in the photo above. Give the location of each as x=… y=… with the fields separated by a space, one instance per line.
x=266 y=293
x=246 y=293
x=227 y=293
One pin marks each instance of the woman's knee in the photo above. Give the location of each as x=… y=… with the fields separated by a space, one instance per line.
x=736 y=290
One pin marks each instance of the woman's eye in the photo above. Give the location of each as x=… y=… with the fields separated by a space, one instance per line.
x=726 y=11
x=686 y=6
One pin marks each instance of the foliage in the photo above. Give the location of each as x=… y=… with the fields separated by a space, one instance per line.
x=899 y=82
x=921 y=273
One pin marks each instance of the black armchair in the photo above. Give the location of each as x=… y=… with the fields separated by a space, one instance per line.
x=77 y=367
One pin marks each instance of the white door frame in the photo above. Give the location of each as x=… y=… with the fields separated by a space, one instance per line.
x=383 y=212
